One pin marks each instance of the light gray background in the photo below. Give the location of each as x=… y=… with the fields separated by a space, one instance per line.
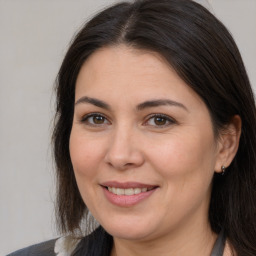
x=34 y=35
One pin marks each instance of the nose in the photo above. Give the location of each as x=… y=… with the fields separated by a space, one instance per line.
x=124 y=150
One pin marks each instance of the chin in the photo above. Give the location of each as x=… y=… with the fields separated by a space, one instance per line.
x=134 y=235
x=128 y=230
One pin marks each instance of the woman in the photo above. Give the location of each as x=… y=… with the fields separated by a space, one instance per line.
x=154 y=136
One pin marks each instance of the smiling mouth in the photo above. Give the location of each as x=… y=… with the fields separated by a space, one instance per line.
x=127 y=194
x=128 y=191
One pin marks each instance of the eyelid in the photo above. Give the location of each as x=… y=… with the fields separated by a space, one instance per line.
x=168 y=119
x=92 y=114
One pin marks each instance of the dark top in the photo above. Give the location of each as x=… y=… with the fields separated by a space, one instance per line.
x=42 y=249
x=219 y=245
x=47 y=248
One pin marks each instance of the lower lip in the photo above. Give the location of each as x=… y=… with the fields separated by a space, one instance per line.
x=126 y=201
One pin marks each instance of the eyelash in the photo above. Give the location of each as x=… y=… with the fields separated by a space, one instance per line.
x=167 y=119
x=92 y=115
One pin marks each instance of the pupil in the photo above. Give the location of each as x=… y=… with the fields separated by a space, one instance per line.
x=160 y=121
x=98 y=119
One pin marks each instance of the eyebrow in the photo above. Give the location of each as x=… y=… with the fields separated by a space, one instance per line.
x=160 y=102
x=140 y=107
x=93 y=101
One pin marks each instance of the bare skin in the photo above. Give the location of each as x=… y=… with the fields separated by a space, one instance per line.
x=228 y=251
x=137 y=122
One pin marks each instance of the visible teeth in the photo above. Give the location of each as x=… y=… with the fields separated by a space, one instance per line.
x=137 y=191
x=120 y=191
x=127 y=191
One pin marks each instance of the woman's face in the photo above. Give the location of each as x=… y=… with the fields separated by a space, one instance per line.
x=142 y=145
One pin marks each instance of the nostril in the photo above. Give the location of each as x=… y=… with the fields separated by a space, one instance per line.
x=128 y=164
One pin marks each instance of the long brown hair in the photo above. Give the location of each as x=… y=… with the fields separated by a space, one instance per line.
x=205 y=56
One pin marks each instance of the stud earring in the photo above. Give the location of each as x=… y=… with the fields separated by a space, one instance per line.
x=223 y=170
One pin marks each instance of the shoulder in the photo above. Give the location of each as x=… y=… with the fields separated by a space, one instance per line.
x=95 y=242
x=41 y=249
x=63 y=246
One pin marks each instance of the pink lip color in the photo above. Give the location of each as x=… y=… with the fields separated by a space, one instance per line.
x=124 y=200
x=129 y=184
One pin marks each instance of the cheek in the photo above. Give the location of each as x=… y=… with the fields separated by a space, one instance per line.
x=186 y=169
x=184 y=158
x=85 y=155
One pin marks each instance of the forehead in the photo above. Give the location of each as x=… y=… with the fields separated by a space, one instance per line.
x=109 y=60
x=121 y=71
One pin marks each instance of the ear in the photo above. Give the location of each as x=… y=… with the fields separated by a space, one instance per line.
x=228 y=143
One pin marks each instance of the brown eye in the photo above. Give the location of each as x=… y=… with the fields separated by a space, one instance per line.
x=160 y=120
x=98 y=119
x=95 y=120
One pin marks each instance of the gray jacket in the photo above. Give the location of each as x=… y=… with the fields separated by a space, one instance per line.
x=42 y=249
x=47 y=248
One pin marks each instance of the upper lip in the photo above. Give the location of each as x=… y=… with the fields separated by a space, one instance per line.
x=124 y=185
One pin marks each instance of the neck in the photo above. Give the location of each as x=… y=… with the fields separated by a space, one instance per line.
x=196 y=240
